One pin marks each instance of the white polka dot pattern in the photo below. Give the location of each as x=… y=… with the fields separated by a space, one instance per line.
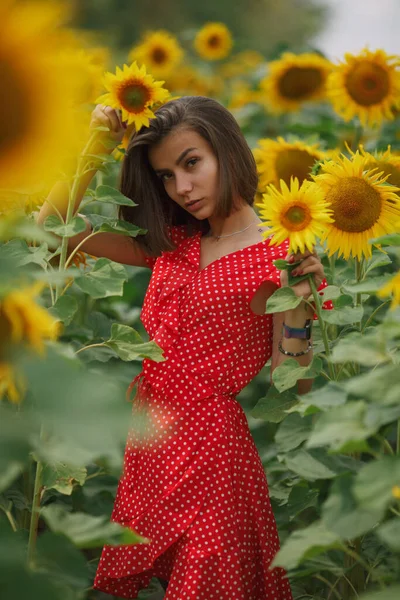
x=193 y=481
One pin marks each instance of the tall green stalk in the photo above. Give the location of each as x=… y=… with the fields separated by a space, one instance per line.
x=33 y=529
x=71 y=203
x=34 y=523
x=318 y=310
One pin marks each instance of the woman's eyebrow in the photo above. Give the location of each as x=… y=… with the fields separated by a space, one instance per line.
x=178 y=160
x=183 y=154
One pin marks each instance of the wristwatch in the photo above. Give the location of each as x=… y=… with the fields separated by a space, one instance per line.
x=301 y=333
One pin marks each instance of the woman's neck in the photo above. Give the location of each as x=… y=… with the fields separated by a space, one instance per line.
x=235 y=222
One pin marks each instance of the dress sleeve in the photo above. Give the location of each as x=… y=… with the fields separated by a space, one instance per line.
x=150 y=260
x=268 y=272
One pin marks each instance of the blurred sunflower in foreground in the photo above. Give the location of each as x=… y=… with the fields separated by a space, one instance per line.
x=159 y=51
x=298 y=213
x=392 y=288
x=366 y=86
x=22 y=322
x=294 y=80
x=213 y=41
x=364 y=205
x=36 y=115
x=281 y=160
x=134 y=92
x=21 y=201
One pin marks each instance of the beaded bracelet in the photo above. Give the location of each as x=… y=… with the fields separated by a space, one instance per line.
x=294 y=353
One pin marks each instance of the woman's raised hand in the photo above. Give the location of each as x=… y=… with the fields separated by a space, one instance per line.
x=109 y=117
x=309 y=263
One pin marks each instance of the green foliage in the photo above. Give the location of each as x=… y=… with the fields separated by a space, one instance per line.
x=282 y=299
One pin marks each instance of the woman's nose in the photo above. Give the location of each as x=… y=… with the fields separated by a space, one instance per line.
x=183 y=184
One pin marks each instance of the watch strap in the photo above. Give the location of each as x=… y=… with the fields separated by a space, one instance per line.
x=301 y=333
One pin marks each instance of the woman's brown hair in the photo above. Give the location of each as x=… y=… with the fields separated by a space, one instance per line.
x=156 y=212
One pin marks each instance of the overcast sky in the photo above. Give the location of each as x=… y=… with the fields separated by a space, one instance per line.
x=356 y=23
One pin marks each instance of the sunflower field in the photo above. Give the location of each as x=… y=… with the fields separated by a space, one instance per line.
x=325 y=138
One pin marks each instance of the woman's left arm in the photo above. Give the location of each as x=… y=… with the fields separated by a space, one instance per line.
x=297 y=317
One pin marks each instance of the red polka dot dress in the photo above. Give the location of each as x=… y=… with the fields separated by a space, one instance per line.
x=193 y=483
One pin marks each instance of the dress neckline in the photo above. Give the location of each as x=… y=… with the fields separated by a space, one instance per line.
x=217 y=260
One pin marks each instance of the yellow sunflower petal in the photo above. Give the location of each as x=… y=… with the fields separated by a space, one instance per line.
x=11 y=385
x=392 y=288
x=23 y=321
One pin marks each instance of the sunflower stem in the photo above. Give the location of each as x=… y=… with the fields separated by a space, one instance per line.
x=33 y=529
x=398 y=437
x=71 y=203
x=76 y=249
x=318 y=310
x=358 y=133
x=358 y=274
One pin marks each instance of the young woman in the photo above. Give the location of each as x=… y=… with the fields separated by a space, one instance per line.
x=193 y=483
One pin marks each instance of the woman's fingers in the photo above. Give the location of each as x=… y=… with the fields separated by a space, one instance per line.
x=110 y=113
x=311 y=264
x=108 y=117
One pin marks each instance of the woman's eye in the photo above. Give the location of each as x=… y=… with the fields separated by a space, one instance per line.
x=191 y=162
x=165 y=176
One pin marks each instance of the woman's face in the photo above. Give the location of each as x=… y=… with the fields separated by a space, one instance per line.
x=188 y=168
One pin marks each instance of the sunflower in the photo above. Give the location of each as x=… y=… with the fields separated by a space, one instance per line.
x=23 y=321
x=392 y=287
x=386 y=163
x=134 y=92
x=293 y=80
x=366 y=86
x=213 y=41
x=35 y=110
x=281 y=160
x=364 y=205
x=159 y=51
x=299 y=213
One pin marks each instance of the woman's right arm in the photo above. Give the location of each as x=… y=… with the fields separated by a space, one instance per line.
x=119 y=248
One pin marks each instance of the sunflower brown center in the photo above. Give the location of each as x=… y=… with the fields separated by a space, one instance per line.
x=134 y=95
x=368 y=83
x=356 y=204
x=214 y=41
x=294 y=163
x=296 y=218
x=15 y=116
x=159 y=55
x=300 y=83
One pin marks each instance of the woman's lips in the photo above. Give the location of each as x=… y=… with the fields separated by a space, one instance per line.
x=193 y=205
